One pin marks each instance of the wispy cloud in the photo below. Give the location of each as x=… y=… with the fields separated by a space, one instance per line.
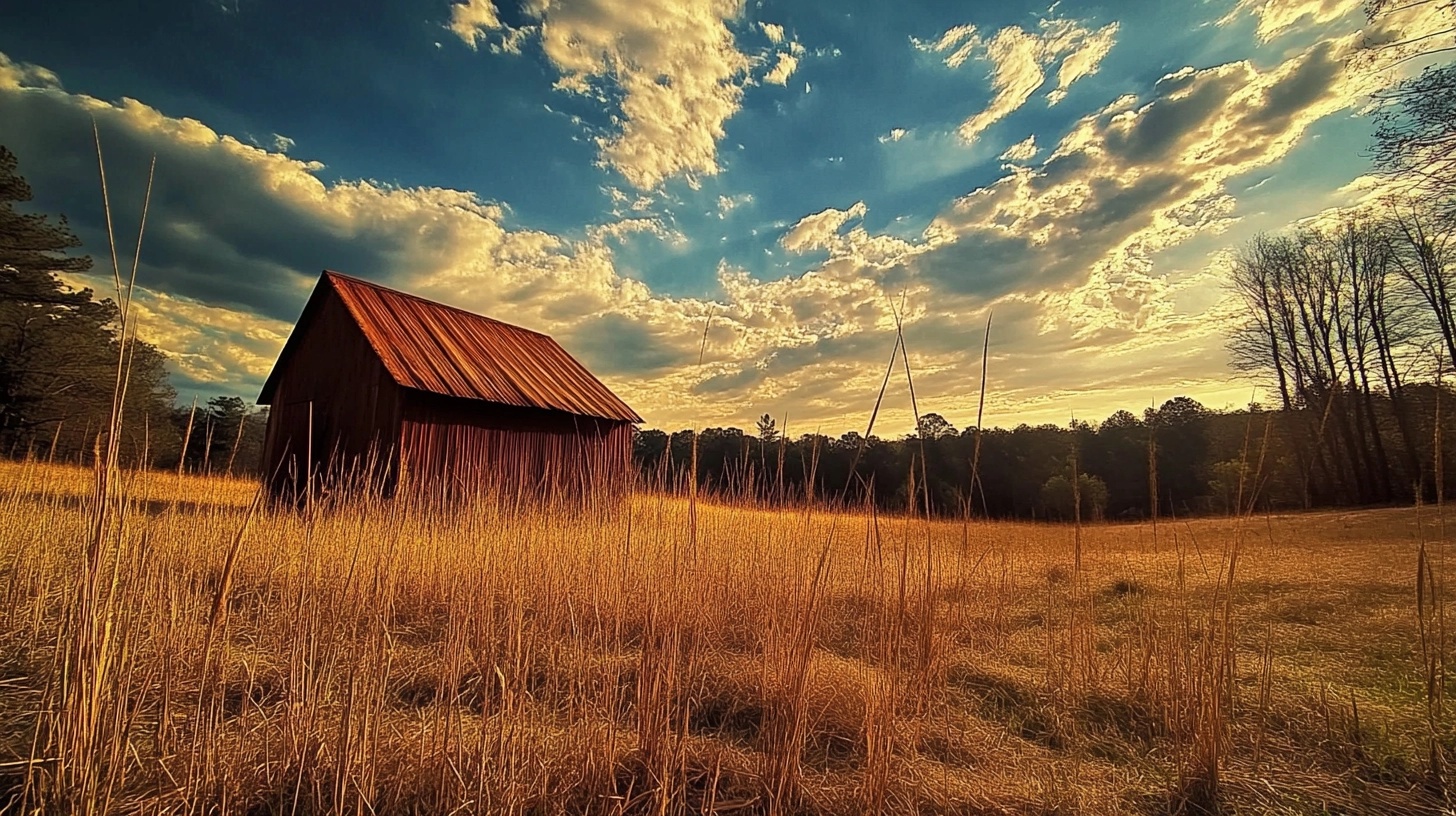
x=782 y=70
x=1019 y=61
x=1278 y=16
x=1023 y=150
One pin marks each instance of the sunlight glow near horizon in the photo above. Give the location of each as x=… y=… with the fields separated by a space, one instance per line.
x=612 y=174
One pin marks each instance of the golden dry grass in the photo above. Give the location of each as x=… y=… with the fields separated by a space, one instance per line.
x=678 y=658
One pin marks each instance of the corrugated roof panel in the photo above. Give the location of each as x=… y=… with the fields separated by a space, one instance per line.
x=437 y=348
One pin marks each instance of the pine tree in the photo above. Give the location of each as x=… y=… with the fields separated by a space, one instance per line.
x=767 y=429
x=58 y=344
x=32 y=249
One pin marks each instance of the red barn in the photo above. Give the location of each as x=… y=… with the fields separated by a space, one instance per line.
x=411 y=393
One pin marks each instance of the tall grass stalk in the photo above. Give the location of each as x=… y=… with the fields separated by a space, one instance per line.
x=1430 y=608
x=975 y=485
x=88 y=724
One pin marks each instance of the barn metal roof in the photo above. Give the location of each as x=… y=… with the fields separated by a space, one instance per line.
x=444 y=350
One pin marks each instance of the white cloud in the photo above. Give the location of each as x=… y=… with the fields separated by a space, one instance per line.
x=1085 y=53
x=895 y=135
x=218 y=295
x=818 y=231
x=781 y=71
x=1077 y=236
x=962 y=38
x=675 y=64
x=1019 y=60
x=1016 y=57
x=619 y=230
x=513 y=39
x=1064 y=251
x=1278 y=16
x=784 y=60
x=1024 y=150
x=15 y=75
x=473 y=19
x=209 y=344
x=727 y=204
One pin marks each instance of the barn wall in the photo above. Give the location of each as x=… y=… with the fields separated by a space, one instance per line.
x=355 y=406
x=450 y=445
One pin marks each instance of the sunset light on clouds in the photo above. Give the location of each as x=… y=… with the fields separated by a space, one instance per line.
x=623 y=174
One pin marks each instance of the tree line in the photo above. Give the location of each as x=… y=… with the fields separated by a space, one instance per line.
x=59 y=347
x=1178 y=459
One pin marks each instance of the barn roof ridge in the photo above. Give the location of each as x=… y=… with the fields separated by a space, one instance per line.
x=434 y=304
x=437 y=348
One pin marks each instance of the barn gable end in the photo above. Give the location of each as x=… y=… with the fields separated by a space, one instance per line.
x=333 y=404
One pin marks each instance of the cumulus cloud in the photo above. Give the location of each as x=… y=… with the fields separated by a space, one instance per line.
x=1066 y=252
x=473 y=20
x=674 y=65
x=219 y=293
x=15 y=74
x=1075 y=240
x=773 y=31
x=198 y=251
x=895 y=135
x=1019 y=61
x=209 y=346
x=1136 y=177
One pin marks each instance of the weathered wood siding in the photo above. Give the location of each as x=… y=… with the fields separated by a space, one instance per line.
x=459 y=446
x=335 y=408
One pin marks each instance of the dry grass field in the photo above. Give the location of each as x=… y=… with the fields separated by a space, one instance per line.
x=183 y=652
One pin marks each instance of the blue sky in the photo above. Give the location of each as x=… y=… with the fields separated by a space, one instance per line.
x=621 y=173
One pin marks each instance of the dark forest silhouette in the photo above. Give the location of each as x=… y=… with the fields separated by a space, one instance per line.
x=1205 y=461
